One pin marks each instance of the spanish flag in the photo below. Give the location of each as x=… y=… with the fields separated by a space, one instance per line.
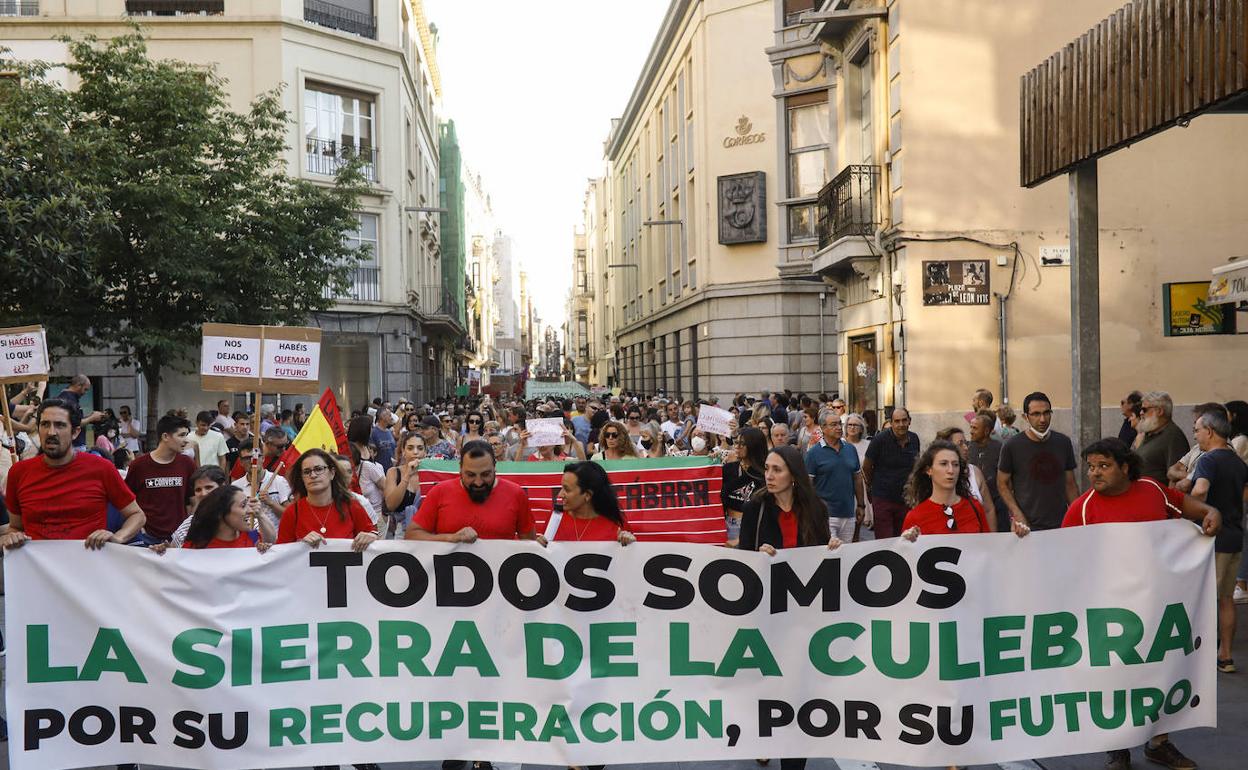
x=322 y=430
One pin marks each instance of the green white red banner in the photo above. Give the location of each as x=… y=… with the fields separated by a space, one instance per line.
x=672 y=499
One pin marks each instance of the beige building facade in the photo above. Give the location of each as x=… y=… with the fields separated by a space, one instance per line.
x=947 y=274
x=684 y=290
x=358 y=78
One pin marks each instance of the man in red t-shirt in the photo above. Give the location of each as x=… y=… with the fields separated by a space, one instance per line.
x=161 y=479
x=63 y=494
x=476 y=505
x=1120 y=495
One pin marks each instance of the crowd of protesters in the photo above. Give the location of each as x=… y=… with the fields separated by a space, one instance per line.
x=798 y=470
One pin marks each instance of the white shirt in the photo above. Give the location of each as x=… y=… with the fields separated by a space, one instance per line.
x=225 y=421
x=279 y=490
x=211 y=447
x=671 y=428
x=124 y=427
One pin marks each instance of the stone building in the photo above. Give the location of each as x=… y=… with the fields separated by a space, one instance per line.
x=359 y=78
x=684 y=271
x=947 y=274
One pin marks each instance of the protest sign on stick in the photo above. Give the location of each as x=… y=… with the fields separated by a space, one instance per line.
x=712 y=419
x=23 y=358
x=545 y=431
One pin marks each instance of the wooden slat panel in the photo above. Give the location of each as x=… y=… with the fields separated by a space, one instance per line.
x=1138 y=71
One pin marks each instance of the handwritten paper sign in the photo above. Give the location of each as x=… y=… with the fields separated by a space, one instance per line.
x=545 y=431
x=712 y=419
x=23 y=354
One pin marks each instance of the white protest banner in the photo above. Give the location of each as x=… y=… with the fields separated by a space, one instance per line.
x=957 y=649
x=23 y=354
x=712 y=419
x=545 y=431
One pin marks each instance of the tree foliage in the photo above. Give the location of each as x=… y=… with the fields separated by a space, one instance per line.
x=139 y=206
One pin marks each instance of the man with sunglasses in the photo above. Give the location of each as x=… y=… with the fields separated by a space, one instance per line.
x=273 y=444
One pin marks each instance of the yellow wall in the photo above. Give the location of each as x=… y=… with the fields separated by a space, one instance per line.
x=1171 y=210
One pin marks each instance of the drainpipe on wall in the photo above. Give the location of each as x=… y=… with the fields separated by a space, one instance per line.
x=823 y=296
x=1004 y=385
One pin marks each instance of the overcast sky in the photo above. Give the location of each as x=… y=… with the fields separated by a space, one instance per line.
x=532 y=87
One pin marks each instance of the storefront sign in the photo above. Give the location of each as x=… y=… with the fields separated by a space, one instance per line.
x=956 y=282
x=23 y=354
x=1186 y=311
x=1230 y=283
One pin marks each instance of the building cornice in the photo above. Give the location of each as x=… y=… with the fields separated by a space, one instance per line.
x=721 y=290
x=673 y=21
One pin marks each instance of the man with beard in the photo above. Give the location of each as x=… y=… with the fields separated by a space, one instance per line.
x=1164 y=443
x=477 y=505
x=63 y=494
x=1036 y=470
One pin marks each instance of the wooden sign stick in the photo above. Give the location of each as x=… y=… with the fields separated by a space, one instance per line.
x=8 y=425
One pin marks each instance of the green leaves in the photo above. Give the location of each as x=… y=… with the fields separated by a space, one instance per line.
x=139 y=206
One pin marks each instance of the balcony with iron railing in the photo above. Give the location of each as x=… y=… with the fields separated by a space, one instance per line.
x=439 y=307
x=337 y=17
x=848 y=205
x=173 y=7
x=326 y=156
x=19 y=7
x=364 y=286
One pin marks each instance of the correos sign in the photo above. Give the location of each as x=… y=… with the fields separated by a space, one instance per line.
x=744 y=136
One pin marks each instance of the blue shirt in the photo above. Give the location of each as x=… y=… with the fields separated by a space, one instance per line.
x=384 y=441
x=833 y=471
x=581 y=428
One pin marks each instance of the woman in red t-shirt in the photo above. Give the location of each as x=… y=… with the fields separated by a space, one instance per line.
x=323 y=508
x=940 y=491
x=222 y=519
x=591 y=508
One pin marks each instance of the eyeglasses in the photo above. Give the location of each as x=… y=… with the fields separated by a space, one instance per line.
x=838 y=406
x=611 y=435
x=276 y=446
x=315 y=470
x=474 y=422
x=949 y=521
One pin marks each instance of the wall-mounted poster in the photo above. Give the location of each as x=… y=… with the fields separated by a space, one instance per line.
x=956 y=282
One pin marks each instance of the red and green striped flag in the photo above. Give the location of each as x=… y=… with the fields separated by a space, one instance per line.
x=672 y=499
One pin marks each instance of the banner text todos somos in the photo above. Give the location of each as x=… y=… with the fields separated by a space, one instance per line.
x=959 y=649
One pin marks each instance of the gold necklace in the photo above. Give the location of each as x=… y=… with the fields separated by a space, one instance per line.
x=576 y=530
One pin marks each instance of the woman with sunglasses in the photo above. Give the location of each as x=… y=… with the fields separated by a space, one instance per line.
x=615 y=444
x=633 y=421
x=474 y=427
x=939 y=489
